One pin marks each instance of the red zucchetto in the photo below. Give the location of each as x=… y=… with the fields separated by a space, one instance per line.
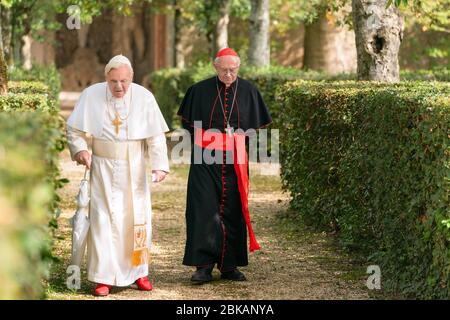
x=226 y=52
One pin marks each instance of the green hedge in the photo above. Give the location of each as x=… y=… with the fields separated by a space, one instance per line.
x=170 y=85
x=44 y=104
x=28 y=151
x=31 y=137
x=26 y=102
x=372 y=161
x=440 y=74
x=35 y=87
x=47 y=75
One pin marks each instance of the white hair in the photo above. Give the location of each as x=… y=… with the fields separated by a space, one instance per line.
x=216 y=60
x=116 y=62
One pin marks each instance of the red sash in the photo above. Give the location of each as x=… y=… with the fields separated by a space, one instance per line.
x=222 y=141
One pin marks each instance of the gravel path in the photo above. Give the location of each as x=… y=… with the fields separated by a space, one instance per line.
x=295 y=262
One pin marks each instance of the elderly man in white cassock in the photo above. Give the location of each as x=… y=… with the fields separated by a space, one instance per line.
x=126 y=126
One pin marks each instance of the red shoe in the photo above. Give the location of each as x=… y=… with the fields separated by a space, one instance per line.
x=144 y=284
x=102 y=289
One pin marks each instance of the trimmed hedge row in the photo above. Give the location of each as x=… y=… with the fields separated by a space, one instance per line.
x=31 y=137
x=372 y=161
x=440 y=74
x=47 y=75
x=28 y=87
x=27 y=196
x=13 y=102
x=170 y=85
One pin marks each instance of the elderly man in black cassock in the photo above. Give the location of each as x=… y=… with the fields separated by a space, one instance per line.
x=217 y=215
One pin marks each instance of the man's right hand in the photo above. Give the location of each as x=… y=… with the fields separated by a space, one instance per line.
x=84 y=158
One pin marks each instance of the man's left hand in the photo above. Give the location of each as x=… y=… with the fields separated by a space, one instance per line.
x=159 y=175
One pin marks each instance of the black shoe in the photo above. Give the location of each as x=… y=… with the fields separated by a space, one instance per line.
x=202 y=275
x=234 y=275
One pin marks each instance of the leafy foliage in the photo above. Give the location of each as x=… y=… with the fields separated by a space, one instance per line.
x=48 y=76
x=44 y=107
x=372 y=162
x=26 y=190
x=31 y=137
x=434 y=14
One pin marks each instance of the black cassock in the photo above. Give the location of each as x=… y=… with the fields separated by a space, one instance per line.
x=216 y=230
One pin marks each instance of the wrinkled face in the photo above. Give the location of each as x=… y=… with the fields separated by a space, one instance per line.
x=119 y=80
x=227 y=68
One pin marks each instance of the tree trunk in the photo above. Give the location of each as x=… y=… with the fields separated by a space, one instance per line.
x=378 y=34
x=329 y=48
x=3 y=74
x=21 y=42
x=259 y=48
x=26 y=52
x=179 y=55
x=3 y=65
x=221 y=35
x=5 y=21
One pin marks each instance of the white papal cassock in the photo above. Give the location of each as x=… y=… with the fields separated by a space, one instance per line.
x=120 y=191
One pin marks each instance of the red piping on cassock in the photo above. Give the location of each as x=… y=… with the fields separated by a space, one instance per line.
x=222 y=141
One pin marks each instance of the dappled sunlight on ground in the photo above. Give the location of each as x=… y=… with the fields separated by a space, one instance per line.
x=301 y=264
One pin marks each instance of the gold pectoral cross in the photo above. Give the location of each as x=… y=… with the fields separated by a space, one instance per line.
x=116 y=122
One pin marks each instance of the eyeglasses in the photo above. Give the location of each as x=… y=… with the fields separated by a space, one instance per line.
x=231 y=71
